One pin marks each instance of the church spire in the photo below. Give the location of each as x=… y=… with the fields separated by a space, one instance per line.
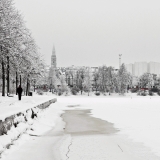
x=53 y=58
x=53 y=50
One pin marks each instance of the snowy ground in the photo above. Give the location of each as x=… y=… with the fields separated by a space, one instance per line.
x=137 y=118
x=11 y=105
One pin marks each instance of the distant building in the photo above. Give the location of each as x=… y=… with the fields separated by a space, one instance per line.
x=154 y=68
x=52 y=69
x=129 y=68
x=140 y=68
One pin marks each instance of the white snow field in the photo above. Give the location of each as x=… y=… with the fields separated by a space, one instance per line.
x=136 y=118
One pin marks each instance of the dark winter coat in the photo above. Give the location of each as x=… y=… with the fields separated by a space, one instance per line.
x=19 y=90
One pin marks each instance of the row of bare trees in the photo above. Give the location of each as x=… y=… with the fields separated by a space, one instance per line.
x=20 y=60
x=104 y=79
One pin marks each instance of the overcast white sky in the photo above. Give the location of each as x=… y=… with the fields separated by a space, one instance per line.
x=94 y=32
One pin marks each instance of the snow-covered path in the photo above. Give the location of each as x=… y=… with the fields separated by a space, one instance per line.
x=39 y=147
x=137 y=120
x=47 y=131
x=11 y=105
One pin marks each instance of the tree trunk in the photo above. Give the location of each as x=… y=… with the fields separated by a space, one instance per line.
x=3 y=79
x=20 y=80
x=34 y=87
x=26 y=91
x=96 y=86
x=16 y=82
x=8 y=89
x=27 y=88
x=72 y=80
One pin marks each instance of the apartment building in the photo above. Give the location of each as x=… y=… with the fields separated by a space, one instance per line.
x=139 y=68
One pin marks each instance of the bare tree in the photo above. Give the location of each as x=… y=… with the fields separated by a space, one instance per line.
x=124 y=79
x=146 y=80
x=18 y=50
x=87 y=84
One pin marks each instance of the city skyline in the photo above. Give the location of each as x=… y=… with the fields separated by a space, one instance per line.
x=128 y=65
x=94 y=34
x=136 y=69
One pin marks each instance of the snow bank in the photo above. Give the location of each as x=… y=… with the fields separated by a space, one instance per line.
x=50 y=125
x=25 y=121
x=10 y=105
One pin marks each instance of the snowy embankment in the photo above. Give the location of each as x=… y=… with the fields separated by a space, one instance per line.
x=19 y=119
x=138 y=117
x=10 y=105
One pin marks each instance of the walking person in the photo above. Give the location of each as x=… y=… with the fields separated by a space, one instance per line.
x=19 y=91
